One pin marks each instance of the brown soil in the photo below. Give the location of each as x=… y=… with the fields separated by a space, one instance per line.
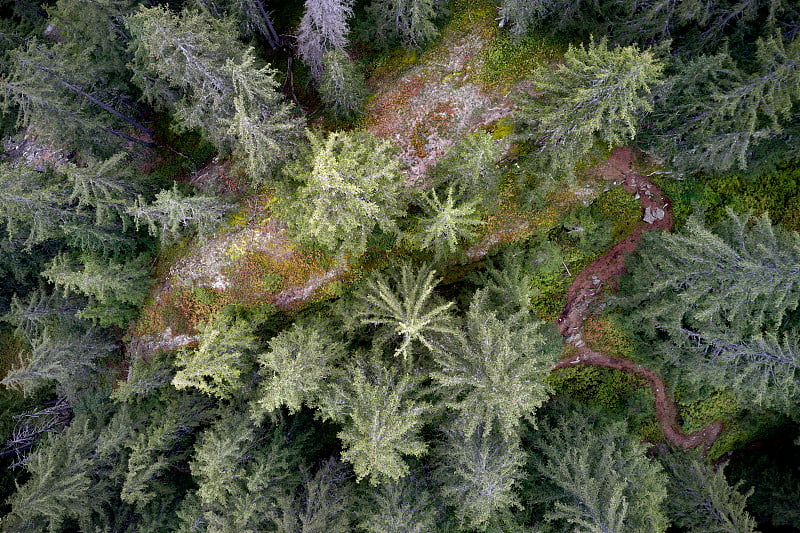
x=605 y=273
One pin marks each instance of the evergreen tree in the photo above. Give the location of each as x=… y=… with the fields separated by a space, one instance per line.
x=193 y=65
x=172 y=214
x=479 y=472
x=409 y=22
x=445 y=226
x=349 y=184
x=114 y=289
x=601 y=479
x=224 y=353
x=494 y=377
x=470 y=166
x=405 y=307
x=342 y=86
x=398 y=506
x=596 y=95
x=701 y=500
x=720 y=302
x=253 y=16
x=322 y=29
x=380 y=415
x=711 y=114
x=296 y=366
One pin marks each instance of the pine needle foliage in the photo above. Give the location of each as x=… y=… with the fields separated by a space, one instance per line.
x=342 y=87
x=409 y=22
x=398 y=506
x=323 y=28
x=403 y=304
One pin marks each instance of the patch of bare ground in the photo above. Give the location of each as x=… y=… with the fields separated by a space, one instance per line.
x=605 y=273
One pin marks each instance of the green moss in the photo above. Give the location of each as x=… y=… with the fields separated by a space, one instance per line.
x=502 y=129
x=621 y=208
x=205 y=295
x=595 y=385
x=719 y=405
x=507 y=61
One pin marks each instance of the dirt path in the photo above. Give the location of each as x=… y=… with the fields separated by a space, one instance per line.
x=605 y=273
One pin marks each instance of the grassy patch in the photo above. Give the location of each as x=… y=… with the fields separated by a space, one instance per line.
x=606 y=387
x=604 y=333
x=621 y=208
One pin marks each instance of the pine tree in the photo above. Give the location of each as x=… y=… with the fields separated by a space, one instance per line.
x=479 y=472
x=342 y=86
x=494 y=377
x=445 y=226
x=380 y=417
x=409 y=22
x=350 y=183
x=596 y=95
x=404 y=305
x=601 y=477
x=701 y=500
x=223 y=354
x=322 y=29
x=296 y=366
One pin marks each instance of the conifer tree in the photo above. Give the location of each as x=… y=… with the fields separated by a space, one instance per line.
x=225 y=351
x=397 y=506
x=404 y=306
x=409 y=22
x=602 y=479
x=596 y=95
x=701 y=500
x=349 y=184
x=479 y=472
x=172 y=214
x=296 y=366
x=323 y=29
x=719 y=301
x=342 y=86
x=114 y=289
x=380 y=416
x=494 y=376
x=445 y=226
x=470 y=166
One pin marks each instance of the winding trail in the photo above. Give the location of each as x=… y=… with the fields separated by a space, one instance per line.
x=605 y=273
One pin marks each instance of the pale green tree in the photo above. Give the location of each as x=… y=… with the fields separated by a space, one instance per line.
x=349 y=184
x=225 y=351
x=479 y=472
x=342 y=86
x=409 y=22
x=380 y=416
x=405 y=307
x=494 y=375
x=397 y=506
x=444 y=225
x=296 y=365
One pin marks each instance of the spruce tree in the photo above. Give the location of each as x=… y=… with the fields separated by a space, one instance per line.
x=296 y=366
x=342 y=86
x=224 y=353
x=602 y=479
x=494 y=376
x=409 y=22
x=470 y=167
x=322 y=29
x=404 y=306
x=380 y=415
x=444 y=226
x=596 y=95
x=348 y=185
x=398 y=506
x=701 y=500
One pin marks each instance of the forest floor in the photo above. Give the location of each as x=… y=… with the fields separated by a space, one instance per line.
x=604 y=273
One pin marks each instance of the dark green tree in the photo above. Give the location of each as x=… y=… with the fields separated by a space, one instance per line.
x=342 y=86
x=398 y=506
x=602 y=479
x=409 y=22
x=596 y=95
